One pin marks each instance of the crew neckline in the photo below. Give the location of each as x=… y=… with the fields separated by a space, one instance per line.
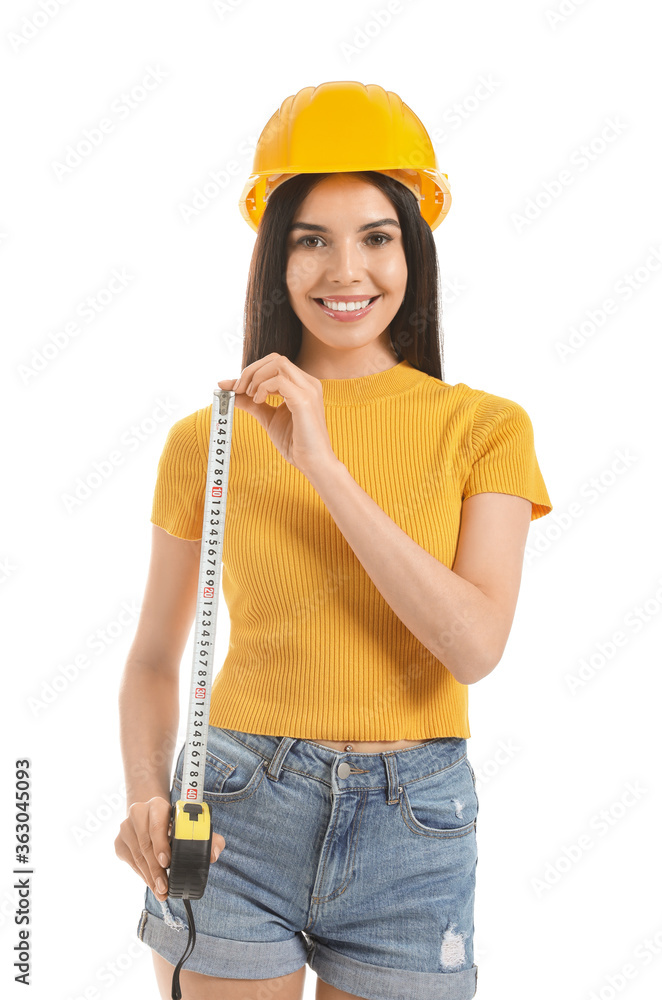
x=362 y=389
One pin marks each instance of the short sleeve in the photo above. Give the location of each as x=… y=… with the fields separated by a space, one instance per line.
x=503 y=454
x=179 y=496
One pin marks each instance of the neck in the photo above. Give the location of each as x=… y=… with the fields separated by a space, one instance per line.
x=353 y=363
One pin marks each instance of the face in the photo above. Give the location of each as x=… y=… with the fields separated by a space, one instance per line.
x=345 y=245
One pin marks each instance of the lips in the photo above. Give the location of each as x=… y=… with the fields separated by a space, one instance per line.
x=345 y=315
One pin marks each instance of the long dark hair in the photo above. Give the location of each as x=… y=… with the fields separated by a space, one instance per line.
x=271 y=324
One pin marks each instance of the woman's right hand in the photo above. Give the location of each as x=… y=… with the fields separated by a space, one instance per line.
x=144 y=842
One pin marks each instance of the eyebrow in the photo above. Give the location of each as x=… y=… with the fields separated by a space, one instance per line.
x=324 y=229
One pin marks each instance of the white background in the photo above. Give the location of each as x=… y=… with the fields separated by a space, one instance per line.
x=510 y=93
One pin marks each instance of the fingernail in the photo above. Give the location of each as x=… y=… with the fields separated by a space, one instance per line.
x=163 y=860
x=160 y=885
x=236 y=383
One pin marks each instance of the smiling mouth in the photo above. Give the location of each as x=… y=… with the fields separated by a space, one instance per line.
x=346 y=315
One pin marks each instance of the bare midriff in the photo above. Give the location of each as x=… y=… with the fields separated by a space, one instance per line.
x=369 y=747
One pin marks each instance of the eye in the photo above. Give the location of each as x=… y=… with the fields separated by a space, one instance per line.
x=304 y=238
x=380 y=236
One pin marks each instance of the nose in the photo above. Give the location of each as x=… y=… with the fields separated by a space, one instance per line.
x=346 y=263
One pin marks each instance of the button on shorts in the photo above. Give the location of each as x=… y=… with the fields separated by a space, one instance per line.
x=361 y=865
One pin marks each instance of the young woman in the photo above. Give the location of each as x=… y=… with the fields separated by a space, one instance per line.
x=374 y=538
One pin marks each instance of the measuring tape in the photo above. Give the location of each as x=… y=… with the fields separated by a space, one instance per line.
x=191 y=834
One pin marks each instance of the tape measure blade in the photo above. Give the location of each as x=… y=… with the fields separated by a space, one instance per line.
x=209 y=592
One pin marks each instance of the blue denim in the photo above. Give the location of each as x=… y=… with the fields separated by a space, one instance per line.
x=367 y=875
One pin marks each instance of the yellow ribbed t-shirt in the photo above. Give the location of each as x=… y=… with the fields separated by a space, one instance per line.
x=315 y=652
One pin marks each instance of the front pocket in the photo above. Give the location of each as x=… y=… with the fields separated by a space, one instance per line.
x=442 y=804
x=225 y=780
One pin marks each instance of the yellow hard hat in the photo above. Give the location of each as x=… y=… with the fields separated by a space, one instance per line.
x=345 y=126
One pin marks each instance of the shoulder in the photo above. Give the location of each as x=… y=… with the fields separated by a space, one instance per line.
x=191 y=433
x=490 y=407
x=475 y=405
x=483 y=421
x=187 y=440
x=184 y=427
x=486 y=407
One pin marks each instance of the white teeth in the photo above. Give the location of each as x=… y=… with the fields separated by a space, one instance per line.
x=346 y=306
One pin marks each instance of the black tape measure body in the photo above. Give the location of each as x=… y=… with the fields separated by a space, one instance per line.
x=190 y=849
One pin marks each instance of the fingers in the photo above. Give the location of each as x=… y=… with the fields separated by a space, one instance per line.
x=217 y=845
x=271 y=386
x=249 y=371
x=240 y=384
x=158 y=831
x=124 y=854
x=130 y=851
x=264 y=368
x=157 y=823
x=144 y=828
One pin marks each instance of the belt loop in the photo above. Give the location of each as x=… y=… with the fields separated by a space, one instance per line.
x=273 y=771
x=391 y=768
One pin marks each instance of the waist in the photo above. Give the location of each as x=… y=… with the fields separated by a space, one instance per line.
x=369 y=747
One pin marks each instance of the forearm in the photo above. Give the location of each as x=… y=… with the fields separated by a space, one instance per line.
x=450 y=616
x=149 y=721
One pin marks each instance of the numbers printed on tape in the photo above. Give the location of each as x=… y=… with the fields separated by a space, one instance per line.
x=211 y=553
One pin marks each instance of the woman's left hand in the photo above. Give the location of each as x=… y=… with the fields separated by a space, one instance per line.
x=297 y=427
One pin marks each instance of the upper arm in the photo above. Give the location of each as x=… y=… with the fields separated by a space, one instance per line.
x=490 y=554
x=169 y=603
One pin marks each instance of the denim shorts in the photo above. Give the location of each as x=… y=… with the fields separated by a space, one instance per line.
x=361 y=865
